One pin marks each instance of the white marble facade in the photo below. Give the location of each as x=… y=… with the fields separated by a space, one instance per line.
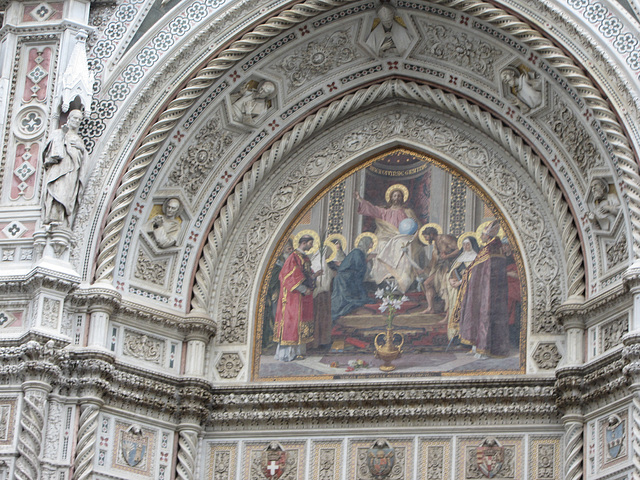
x=131 y=322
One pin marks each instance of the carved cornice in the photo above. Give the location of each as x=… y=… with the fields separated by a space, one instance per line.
x=468 y=401
x=595 y=304
x=106 y=296
x=593 y=385
x=37 y=278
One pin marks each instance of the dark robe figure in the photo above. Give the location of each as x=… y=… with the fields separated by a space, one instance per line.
x=482 y=300
x=349 y=293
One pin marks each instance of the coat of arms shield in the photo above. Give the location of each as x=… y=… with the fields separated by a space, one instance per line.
x=490 y=457
x=274 y=461
x=133 y=446
x=615 y=435
x=381 y=458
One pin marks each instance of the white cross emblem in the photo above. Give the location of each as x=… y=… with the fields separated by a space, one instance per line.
x=273 y=467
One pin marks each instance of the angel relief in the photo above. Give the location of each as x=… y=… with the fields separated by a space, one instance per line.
x=402 y=267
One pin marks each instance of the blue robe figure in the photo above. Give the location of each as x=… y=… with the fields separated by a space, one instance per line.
x=349 y=293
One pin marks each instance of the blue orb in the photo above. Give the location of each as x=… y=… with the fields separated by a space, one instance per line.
x=408 y=226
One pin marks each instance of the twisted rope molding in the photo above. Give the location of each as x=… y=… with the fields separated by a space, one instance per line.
x=177 y=107
x=635 y=435
x=298 y=13
x=187 y=449
x=85 y=449
x=574 y=451
x=445 y=102
x=30 y=440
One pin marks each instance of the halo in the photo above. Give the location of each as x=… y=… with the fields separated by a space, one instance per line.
x=484 y=225
x=372 y=236
x=334 y=251
x=316 y=240
x=397 y=186
x=337 y=236
x=424 y=227
x=466 y=235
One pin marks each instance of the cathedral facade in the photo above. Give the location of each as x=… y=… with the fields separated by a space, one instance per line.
x=320 y=239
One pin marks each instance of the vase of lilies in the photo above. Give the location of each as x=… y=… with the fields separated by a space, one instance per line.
x=387 y=350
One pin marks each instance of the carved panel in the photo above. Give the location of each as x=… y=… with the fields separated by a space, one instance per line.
x=256 y=460
x=435 y=455
x=50 y=312
x=475 y=457
x=611 y=333
x=326 y=457
x=358 y=468
x=134 y=449
x=143 y=347
x=153 y=271
x=317 y=58
x=194 y=166
x=576 y=140
x=613 y=439
x=545 y=458
x=452 y=46
x=222 y=461
x=7 y=421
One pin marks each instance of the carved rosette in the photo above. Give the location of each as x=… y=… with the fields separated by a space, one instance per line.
x=229 y=365
x=546 y=356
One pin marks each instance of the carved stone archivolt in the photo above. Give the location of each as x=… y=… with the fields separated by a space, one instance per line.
x=276 y=202
x=218 y=66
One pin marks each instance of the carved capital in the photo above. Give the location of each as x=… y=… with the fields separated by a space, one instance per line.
x=99 y=297
x=631 y=277
x=570 y=387
x=571 y=313
x=194 y=398
x=198 y=326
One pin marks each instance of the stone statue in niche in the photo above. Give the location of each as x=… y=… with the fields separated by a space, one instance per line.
x=603 y=204
x=389 y=35
x=64 y=157
x=523 y=86
x=252 y=101
x=164 y=229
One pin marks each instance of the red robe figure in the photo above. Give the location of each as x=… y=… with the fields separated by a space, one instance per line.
x=482 y=299
x=294 y=325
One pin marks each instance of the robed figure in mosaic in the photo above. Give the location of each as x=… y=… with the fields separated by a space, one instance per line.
x=294 y=325
x=398 y=248
x=482 y=299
